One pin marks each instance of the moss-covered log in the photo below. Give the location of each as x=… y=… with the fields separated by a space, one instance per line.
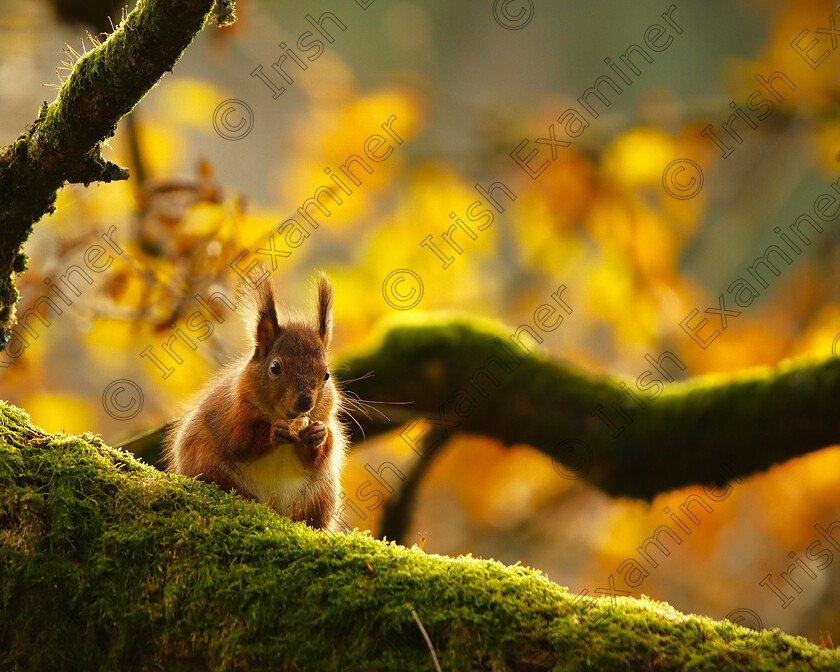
x=106 y=563
x=63 y=144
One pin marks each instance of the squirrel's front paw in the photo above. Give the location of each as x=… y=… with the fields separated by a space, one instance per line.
x=310 y=449
x=281 y=434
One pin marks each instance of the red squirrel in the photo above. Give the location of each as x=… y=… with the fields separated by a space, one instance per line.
x=268 y=425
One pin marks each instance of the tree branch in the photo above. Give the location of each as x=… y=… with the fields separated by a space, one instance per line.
x=697 y=431
x=63 y=144
x=106 y=563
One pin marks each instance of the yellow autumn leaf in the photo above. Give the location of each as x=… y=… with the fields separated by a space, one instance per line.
x=638 y=156
x=611 y=294
x=522 y=481
x=185 y=378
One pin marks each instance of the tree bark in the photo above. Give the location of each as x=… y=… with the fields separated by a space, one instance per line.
x=63 y=144
x=106 y=563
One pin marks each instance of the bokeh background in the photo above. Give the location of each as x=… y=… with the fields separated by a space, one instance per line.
x=465 y=91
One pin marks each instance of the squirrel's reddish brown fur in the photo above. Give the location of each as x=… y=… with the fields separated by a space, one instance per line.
x=237 y=433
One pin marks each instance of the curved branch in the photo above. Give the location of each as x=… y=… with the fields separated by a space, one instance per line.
x=697 y=431
x=106 y=563
x=63 y=144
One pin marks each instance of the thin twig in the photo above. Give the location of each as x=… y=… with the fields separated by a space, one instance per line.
x=426 y=637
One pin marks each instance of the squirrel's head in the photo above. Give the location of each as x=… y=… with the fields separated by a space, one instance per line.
x=288 y=371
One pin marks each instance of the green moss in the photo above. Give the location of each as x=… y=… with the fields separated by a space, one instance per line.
x=107 y=563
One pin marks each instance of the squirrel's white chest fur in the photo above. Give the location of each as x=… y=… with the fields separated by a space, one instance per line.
x=278 y=477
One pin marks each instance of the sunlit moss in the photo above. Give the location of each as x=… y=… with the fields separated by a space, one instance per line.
x=107 y=563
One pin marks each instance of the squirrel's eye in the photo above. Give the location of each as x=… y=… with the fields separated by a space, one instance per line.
x=274 y=368
x=326 y=376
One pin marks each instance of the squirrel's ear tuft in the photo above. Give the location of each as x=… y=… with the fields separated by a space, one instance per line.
x=257 y=296
x=325 y=299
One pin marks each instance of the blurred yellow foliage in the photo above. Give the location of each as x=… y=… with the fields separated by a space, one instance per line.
x=816 y=84
x=59 y=412
x=191 y=102
x=636 y=157
x=163 y=146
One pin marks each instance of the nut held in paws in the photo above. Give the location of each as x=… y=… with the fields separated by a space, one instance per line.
x=299 y=423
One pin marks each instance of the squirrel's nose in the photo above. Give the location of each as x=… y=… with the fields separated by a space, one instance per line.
x=304 y=403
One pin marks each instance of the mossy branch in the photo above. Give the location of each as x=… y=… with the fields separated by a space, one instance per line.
x=697 y=431
x=106 y=563
x=63 y=144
